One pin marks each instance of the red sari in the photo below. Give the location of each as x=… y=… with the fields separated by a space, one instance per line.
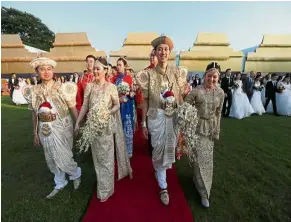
x=82 y=83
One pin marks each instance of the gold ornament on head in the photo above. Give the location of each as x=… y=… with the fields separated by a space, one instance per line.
x=42 y=61
x=213 y=69
x=98 y=63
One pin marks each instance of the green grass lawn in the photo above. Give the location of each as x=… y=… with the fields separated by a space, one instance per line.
x=252 y=173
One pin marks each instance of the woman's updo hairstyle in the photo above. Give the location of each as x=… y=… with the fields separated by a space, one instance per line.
x=124 y=61
x=212 y=66
x=103 y=61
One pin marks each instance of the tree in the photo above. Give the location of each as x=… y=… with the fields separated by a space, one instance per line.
x=31 y=30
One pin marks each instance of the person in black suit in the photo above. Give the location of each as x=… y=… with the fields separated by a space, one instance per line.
x=12 y=83
x=196 y=81
x=226 y=85
x=271 y=89
x=248 y=84
x=34 y=80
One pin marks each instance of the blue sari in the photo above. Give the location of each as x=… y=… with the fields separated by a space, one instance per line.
x=127 y=117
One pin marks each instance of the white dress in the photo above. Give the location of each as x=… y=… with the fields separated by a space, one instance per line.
x=284 y=100
x=17 y=96
x=241 y=106
x=256 y=100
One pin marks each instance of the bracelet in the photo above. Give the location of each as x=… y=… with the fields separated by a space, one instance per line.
x=143 y=124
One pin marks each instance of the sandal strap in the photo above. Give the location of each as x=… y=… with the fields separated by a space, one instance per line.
x=163 y=191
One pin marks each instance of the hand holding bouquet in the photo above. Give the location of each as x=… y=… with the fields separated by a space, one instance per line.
x=280 y=89
x=123 y=91
x=123 y=88
x=236 y=85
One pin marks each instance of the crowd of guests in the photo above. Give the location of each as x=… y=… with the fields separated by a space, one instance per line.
x=253 y=93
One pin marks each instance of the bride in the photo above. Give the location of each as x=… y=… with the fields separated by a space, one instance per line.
x=17 y=96
x=241 y=106
x=256 y=100
x=284 y=98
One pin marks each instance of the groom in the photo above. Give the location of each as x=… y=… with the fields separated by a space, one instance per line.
x=248 y=84
x=271 y=89
x=226 y=85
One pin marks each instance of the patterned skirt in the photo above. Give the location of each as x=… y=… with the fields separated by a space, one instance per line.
x=203 y=166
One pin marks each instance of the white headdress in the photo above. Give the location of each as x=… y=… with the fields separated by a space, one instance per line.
x=42 y=61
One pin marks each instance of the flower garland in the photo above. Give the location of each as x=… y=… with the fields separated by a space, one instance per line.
x=95 y=126
x=187 y=120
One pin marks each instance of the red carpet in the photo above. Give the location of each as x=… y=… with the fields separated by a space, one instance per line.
x=137 y=200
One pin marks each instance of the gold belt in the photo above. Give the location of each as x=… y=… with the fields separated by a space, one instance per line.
x=206 y=118
x=46 y=117
x=165 y=105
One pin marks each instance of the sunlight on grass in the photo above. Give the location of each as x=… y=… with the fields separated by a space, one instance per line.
x=252 y=173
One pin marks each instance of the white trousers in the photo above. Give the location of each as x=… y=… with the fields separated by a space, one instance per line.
x=60 y=177
x=161 y=176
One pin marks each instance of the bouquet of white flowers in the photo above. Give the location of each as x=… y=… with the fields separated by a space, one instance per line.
x=95 y=126
x=187 y=122
x=236 y=85
x=280 y=89
x=123 y=88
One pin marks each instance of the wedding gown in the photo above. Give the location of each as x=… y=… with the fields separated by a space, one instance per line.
x=241 y=106
x=17 y=96
x=284 y=100
x=256 y=100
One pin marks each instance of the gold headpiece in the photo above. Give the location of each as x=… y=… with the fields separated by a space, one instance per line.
x=97 y=62
x=213 y=69
x=42 y=61
x=163 y=40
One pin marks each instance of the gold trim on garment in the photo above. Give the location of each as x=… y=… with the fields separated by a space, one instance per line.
x=46 y=130
x=46 y=117
x=169 y=108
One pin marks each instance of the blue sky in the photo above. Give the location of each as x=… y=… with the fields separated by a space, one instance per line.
x=107 y=23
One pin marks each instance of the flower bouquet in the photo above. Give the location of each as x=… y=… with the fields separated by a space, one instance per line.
x=96 y=125
x=123 y=90
x=187 y=120
x=46 y=107
x=168 y=101
x=280 y=89
x=236 y=85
